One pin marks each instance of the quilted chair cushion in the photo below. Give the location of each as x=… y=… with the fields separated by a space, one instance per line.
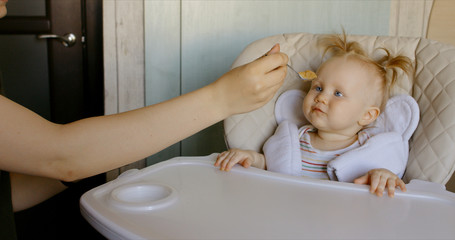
x=432 y=152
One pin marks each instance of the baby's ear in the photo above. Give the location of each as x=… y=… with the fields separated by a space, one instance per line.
x=369 y=116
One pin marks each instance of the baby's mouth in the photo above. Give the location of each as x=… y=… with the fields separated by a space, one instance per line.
x=316 y=109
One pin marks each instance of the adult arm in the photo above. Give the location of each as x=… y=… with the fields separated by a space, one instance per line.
x=32 y=145
x=28 y=191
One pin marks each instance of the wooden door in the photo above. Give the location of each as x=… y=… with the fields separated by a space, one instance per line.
x=71 y=78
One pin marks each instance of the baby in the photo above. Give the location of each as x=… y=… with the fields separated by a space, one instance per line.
x=349 y=93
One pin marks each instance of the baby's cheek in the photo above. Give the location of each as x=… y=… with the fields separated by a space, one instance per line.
x=306 y=108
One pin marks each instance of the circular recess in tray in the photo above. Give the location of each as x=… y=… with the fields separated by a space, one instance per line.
x=142 y=196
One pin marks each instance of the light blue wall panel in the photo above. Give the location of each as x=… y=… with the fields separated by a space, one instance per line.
x=215 y=32
x=162 y=59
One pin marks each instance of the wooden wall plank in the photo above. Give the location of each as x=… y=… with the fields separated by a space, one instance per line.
x=442 y=22
x=409 y=18
x=110 y=57
x=124 y=60
x=110 y=66
x=130 y=54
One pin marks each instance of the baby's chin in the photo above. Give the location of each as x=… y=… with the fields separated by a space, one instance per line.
x=315 y=123
x=307 y=115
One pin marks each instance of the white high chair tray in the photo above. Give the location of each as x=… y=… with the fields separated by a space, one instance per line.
x=188 y=198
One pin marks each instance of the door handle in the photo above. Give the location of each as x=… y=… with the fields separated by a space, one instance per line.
x=68 y=40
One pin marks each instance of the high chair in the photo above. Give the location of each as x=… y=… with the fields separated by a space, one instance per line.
x=432 y=148
x=189 y=198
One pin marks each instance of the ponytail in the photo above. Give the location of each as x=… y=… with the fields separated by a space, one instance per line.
x=393 y=64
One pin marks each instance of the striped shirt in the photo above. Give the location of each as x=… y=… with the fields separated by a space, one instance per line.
x=314 y=161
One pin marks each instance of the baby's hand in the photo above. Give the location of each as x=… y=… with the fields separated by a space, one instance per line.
x=379 y=179
x=226 y=160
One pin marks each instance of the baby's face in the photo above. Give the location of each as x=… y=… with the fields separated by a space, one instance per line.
x=340 y=96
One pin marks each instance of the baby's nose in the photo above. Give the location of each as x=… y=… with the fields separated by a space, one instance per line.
x=321 y=98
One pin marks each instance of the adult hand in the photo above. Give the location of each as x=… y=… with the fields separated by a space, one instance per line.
x=252 y=85
x=379 y=179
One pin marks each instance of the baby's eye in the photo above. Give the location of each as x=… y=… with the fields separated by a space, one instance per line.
x=318 y=89
x=338 y=94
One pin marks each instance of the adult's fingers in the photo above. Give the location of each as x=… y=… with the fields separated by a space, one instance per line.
x=270 y=62
x=278 y=74
x=272 y=82
x=274 y=49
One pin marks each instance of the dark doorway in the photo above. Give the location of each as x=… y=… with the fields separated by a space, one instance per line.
x=72 y=76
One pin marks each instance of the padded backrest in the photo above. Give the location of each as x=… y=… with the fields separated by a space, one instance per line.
x=432 y=149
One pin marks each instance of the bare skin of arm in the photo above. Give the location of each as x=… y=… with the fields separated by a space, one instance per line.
x=28 y=191
x=32 y=145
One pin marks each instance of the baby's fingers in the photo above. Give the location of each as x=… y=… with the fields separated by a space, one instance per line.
x=374 y=183
x=379 y=189
x=391 y=185
x=402 y=185
x=362 y=180
x=223 y=160
x=220 y=158
x=230 y=160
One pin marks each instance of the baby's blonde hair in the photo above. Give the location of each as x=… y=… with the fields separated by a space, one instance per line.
x=340 y=47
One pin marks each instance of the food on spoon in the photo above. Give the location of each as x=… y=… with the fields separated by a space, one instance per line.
x=308 y=74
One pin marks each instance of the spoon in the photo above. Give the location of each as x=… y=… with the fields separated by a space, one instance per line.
x=298 y=74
